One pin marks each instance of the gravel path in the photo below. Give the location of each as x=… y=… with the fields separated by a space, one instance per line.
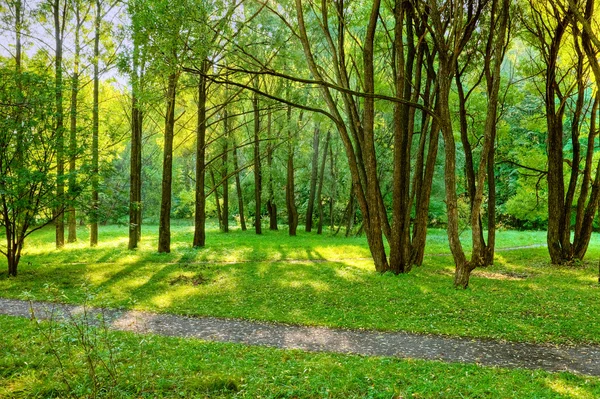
x=579 y=359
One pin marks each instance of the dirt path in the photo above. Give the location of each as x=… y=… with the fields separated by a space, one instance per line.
x=579 y=359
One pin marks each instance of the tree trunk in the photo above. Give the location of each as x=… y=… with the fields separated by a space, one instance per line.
x=271 y=205
x=333 y=194
x=72 y=216
x=224 y=175
x=554 y=120
x=351 y=212
x=238 y=188
x=200 y=208
x=313 y=179
x=215 y=191
x=257 y=169
x=481 y=253
x=135 y=190
x=290 y=200
x=462 y=267
x=320 y=183
x=164 y=228
x=59 y=20
x=94 y=214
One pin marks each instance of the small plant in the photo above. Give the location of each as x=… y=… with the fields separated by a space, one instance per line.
x=89 y=362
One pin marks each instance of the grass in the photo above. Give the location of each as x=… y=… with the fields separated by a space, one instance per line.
x=152 y=366
x=322 y=280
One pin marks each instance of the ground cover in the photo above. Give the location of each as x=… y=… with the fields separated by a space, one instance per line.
x=153 y=366
x=321 y=280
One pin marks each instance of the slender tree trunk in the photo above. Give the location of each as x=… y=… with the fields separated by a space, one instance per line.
x=94 y=216
x=556 y=185
x=217 y=199
x=72 y=216
x=313 y=179
x=200 y=208
x=351 y=212
x=238 y=188
x=59 y=20
x=164 y=228
x=333 y=195
x=320 y=183
x=224 y=175
x=271 y=205
x=481 y=253
x=290 y=200
x=462 y=267
x=257 y=169
x=135 y=191
x=135 y=173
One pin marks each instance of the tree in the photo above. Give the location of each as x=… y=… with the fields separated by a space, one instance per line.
x=138 y=66
x=27 y=184
x=290 y=192
x=95 y=127
x=553 y=27
x=58 y=10
x=80 y=13
x=257 y=167
x=313 y=179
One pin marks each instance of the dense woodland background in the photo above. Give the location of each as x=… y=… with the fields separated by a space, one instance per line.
x=380 y=118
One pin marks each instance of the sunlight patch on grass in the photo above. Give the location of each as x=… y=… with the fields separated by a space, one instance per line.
x=315 y=285
x=561 y=387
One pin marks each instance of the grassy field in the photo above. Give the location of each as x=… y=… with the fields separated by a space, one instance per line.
x=308 y=279
x=152 y=366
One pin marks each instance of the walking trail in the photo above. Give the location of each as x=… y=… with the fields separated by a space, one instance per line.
x=576 y=359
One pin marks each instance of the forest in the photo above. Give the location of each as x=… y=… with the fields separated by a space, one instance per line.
x=420 y=166
x=472 y=116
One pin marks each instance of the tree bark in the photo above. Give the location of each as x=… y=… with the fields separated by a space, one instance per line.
x=135 y=173
x=271 y=205
x=556 y=188
x=290 y=200
x=238 y=188
x=320 y=183
x=313 y=179
x=94 y=214
x=200 y=208
x=257 y=168
x=72 y=216
x=59 y=21
x=217 y=200
x=224 y=174
x=164 y=228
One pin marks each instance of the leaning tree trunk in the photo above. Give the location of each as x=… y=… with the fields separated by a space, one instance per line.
x=164 y=228
x=462 y=267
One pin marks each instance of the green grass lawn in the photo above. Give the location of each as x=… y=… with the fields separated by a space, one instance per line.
x=321 y=280
x=152 y=366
